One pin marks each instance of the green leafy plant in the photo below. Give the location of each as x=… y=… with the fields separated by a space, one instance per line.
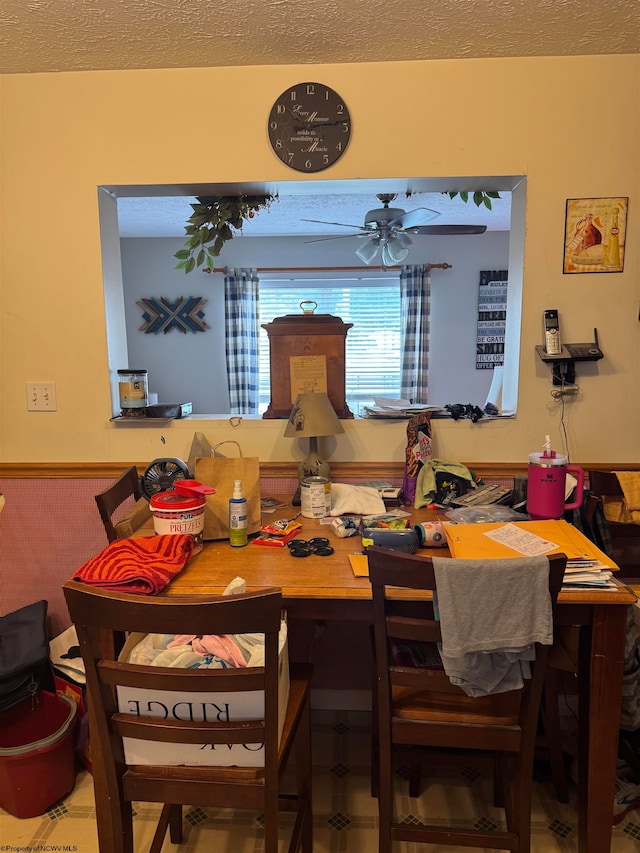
x=215 y=219
x=479 y=197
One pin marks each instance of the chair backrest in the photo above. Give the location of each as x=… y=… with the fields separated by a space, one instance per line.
x=100 y=616
x=625 y=537
x=413 y=621
x=126 y=486
x=605 y=484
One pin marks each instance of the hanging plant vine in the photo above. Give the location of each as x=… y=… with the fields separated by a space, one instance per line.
x=479 y=197
x=215 y=219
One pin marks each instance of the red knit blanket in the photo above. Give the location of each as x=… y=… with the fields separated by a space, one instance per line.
x=144 y=565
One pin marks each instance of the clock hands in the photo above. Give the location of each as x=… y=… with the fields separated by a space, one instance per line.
x=317 y=126
x=309 y=127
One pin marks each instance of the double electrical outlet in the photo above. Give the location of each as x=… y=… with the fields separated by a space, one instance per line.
x=41 y=397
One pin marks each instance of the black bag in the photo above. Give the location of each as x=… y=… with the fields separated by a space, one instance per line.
x=449 y=486
x=25 y=665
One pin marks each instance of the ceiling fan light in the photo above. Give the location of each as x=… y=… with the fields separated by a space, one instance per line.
x=368 y=251
x=394 y=252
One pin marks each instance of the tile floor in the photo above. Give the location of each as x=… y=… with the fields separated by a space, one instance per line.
x=345 y=815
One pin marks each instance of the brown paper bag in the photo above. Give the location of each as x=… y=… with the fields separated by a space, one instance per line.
x=200 y=446
x=219 y=472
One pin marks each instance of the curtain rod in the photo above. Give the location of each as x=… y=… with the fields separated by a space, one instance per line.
x=430 y=267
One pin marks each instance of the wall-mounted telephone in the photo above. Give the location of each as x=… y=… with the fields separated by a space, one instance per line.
x=552 y=342
x=562 y=356
x=554 y=350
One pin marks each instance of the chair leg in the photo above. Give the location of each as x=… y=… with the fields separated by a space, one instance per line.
x=271 y=811
x=551 y=717
x=375 y=747
x=499 y=772
x=415 y=777
x=375 y=768
x=161 y=829
x=375 y=752
x=385 y=798
x=175 y=824
x=519 y=819
x=304 y=778
x=123 y=827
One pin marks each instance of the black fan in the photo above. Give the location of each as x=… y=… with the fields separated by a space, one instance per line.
x=161 y=475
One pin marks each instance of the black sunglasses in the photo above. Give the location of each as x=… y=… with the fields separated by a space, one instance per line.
x=303 y=548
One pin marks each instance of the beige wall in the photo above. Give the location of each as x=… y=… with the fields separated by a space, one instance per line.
x=572 y=125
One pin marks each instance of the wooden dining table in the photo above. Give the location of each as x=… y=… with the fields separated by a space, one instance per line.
x=326 y=588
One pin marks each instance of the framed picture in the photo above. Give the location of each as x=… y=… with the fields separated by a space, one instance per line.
x=594 y=234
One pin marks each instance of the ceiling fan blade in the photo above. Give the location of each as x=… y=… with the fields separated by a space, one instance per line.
x=450 y=229
x=334 y=237
x=341 y=224
x=419 y=216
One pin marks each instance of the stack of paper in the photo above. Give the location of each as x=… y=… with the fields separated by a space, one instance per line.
x=588 y=574
x=587 y=565
x=385 y=408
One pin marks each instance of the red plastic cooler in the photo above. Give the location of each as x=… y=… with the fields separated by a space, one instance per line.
x=37 y=762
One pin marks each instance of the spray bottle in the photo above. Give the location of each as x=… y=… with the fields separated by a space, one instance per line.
x=237 y=517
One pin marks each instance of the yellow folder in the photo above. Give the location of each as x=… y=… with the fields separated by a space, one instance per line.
x=360 y=565
x=469 y=541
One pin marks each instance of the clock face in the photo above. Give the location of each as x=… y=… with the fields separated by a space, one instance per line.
x=309 y=127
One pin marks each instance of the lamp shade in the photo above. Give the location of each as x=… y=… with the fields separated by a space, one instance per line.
x=368 y=251
x=394 y=251
x=312 y=415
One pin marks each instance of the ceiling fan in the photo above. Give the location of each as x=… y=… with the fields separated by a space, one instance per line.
x=388 y=228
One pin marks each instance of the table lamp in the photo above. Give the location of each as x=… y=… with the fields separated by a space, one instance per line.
x=312 y=416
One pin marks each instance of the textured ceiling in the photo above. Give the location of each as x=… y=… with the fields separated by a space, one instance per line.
x=81 y=35
x=167 y=216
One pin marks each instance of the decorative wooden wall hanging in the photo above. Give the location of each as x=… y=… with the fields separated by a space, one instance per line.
x=185 y=314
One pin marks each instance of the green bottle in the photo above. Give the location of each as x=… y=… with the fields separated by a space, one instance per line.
x=237 y=517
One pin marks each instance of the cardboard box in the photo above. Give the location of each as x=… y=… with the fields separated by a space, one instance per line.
x=232 y=706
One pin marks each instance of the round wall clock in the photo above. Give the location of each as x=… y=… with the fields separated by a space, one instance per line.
x=309 y=127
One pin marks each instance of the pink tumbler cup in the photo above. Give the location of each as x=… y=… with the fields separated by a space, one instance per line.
x=546 y=485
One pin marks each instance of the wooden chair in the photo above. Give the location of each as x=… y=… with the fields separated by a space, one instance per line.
x=625 y=538
x=96 y=613
x=420 y=711
x=126 y=486
x=563 y=658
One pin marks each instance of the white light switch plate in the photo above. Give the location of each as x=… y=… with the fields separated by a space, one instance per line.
x=41 y=397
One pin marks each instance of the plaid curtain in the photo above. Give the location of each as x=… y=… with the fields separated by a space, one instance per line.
x=241 y=328
x=415 y=310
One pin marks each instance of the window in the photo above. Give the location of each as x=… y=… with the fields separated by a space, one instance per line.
x=371 y=303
